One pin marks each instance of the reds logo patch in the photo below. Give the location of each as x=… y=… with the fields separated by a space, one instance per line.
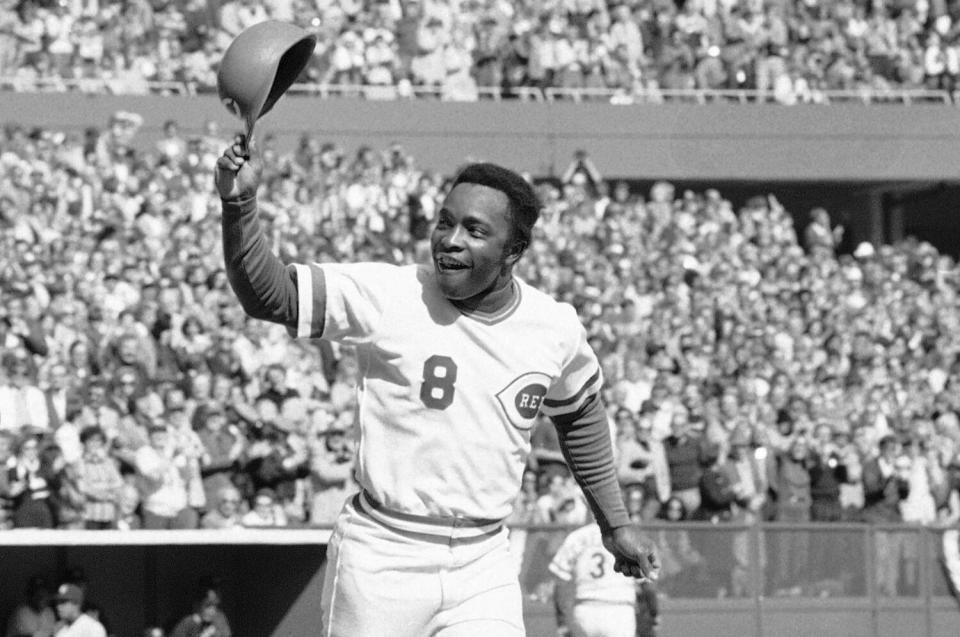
x=521 y=399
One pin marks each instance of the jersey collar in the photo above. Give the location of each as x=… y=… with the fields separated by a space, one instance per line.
x=489 y=318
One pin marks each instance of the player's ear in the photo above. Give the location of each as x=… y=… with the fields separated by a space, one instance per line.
x=515 y=252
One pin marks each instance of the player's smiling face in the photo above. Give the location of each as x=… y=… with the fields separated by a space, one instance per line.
x=469 y=246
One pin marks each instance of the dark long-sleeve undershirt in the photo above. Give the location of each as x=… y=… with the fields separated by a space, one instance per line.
x=266 y=288
x=585 y=442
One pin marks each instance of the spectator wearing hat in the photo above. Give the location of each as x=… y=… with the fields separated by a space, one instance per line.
x=33 y=617
x=99 y=480
x=73 y=622
x=163 y=472
x=332 y=459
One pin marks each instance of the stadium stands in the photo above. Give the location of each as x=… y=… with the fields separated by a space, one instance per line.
x=788 y=53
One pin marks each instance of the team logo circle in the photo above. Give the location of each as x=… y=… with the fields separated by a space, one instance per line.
x=527 y=401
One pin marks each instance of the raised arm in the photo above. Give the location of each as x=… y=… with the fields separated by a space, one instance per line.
x=266 y=288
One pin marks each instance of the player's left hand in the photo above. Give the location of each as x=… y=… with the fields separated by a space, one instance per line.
x=635 y=555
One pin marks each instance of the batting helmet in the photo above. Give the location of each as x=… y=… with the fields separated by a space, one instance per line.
x=259 y=65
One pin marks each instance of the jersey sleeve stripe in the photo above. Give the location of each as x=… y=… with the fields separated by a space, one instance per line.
x=318 y=301
x=310 y=289
x=304 y=300
x=556 y=404
x=562 y=573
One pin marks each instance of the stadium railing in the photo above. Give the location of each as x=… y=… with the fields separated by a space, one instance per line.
x=768 y=579
x=523 y=93
x=96 y=86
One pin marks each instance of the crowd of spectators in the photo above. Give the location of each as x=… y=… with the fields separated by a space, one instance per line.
x=752 y=372
x=788 y=51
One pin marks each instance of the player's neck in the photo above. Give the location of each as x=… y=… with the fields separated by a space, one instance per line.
x=498 y=296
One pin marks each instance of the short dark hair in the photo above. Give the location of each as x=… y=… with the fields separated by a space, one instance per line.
x=92 y=431
x=524 y=203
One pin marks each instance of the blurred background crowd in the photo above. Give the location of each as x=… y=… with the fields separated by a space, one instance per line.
x=789 y=51
x=752 y=372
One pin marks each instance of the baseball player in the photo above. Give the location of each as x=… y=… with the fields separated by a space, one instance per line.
x=457 y=358
x=592 y=599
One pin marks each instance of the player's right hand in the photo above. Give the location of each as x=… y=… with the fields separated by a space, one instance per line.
x=238 y=170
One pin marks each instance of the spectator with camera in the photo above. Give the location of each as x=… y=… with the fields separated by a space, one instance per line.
x=223 y=448
x=885 y=485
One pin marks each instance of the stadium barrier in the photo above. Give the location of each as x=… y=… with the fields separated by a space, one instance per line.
x=771 y=579
x=522 y=93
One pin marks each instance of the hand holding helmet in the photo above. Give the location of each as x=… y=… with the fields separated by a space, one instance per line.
x=238 y=170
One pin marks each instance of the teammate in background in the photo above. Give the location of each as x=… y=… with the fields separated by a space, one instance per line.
x=73 y=621
x=457 y=359
x=33 y=617
x=207 y=619
x=591 y=599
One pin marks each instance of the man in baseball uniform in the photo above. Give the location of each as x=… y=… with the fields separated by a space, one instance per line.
x=457 y=357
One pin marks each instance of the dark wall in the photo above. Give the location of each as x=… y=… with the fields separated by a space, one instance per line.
x=268 y=591
x=712 y=142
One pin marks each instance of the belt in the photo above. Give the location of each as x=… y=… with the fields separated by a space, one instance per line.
x=434 y=529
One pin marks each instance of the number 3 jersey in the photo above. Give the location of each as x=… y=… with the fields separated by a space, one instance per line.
x=446 y=399
x=583 y=560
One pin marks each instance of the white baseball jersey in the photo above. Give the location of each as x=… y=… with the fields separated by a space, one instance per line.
x=83 y=626
x=447 y=398
x=583 y=560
